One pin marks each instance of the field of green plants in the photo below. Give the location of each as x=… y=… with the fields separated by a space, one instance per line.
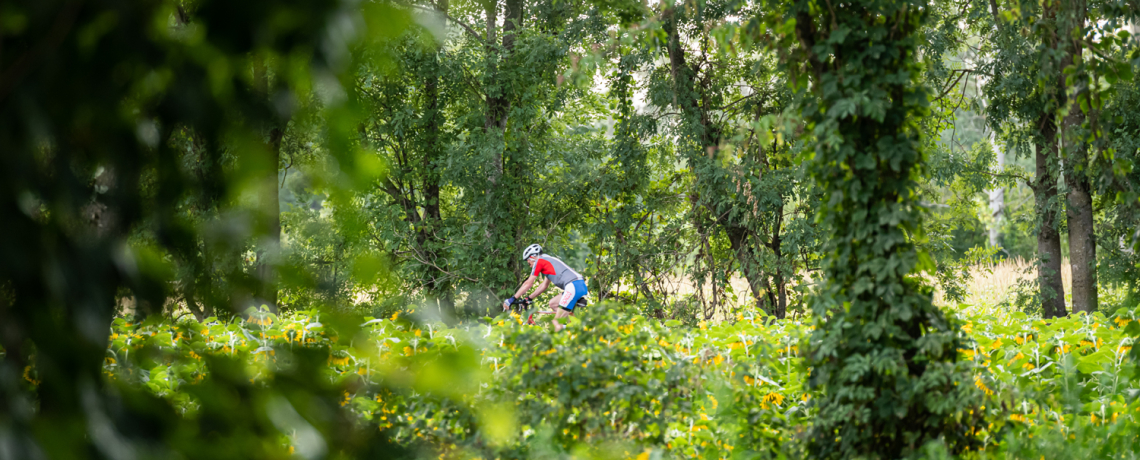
x=621 y=385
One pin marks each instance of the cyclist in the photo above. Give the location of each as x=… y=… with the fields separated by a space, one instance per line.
x=572 y=284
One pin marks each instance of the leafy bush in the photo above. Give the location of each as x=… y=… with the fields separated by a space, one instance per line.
x=621 y=383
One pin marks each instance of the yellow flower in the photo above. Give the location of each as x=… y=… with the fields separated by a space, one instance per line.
x=394 y=316
x=407 y=351
x=774 y=398
x=982 y=385
x=28 y=376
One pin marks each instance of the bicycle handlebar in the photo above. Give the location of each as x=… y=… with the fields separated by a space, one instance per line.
x=521 y=305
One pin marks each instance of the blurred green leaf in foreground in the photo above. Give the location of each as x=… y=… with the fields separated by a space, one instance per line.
x=121 y=118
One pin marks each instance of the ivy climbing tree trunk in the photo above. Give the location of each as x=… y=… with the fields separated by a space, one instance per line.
x=1079 y=209
x=880 y=348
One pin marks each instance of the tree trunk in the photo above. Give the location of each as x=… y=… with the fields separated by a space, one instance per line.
x=746 y=257
x=997 y=198
x=512 y=21
x=1082 y=236
x=433 y=156
x=684 y=87
x=1051 y=291
x=269 y=200
x=771 y=294
x=271 y=212
x=775 y=246
x=782 y=296
x=494 y=126
x=495 y=118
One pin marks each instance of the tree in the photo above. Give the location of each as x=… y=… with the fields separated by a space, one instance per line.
x=745 y=178
x=94 y=99
x=1023 y=91
x=880 y=347
x=1079 y=209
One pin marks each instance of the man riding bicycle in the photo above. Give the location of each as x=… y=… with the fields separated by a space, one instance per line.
x=573 y=285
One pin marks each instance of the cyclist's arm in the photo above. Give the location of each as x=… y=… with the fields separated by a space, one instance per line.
x=541 y=288
x=525 y=286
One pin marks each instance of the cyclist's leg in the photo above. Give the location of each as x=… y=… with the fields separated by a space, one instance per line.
x=560 y=313
x=567 y=300
x=575 y=291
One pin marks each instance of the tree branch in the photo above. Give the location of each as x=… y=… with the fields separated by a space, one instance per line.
x=466 y=27
x=730 y=104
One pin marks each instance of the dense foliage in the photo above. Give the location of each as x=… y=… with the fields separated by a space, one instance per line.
x=627 y=384
x=284 y=229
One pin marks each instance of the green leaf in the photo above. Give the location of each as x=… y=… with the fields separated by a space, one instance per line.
x=1094 y=362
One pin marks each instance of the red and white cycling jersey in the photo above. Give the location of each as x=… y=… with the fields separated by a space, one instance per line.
x=555 y=270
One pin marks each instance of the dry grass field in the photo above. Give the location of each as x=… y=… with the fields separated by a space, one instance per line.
x=991 y=284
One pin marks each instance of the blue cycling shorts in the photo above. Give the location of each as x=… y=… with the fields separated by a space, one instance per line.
x=574 y=291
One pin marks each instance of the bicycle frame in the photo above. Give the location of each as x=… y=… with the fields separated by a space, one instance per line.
x=523 y=305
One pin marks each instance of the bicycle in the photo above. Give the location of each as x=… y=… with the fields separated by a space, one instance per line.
x=523 y=305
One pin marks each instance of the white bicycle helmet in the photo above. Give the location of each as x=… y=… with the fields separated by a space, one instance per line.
x=532 y=250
